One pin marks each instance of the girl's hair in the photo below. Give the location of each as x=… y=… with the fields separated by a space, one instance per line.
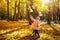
x=38 y=17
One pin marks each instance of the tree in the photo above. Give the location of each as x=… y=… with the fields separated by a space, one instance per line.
x=3 y=14
x=14 y=17
x=27 y=14
x=7 y=10
x=35 y=11
x=18 y=16
x=58 y=11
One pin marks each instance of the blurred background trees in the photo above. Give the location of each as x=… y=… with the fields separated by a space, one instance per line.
x=15 y=10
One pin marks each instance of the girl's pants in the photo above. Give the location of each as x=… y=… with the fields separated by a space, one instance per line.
x=36 y=33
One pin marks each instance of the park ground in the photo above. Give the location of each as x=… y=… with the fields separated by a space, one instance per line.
x=21 y=30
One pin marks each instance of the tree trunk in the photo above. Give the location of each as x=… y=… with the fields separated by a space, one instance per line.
x=35 y=11
x=7 y=10
x=19 y=14
x=14 y=17
x=27 y=14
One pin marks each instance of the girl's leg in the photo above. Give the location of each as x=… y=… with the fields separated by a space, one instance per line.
x=34 y=32
x=38 y=33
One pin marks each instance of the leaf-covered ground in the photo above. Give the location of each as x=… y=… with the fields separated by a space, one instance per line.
x=22 y=31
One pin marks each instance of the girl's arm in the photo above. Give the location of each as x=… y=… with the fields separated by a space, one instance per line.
x=32 y=19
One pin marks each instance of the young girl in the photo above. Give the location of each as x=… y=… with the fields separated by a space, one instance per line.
x=35 y=25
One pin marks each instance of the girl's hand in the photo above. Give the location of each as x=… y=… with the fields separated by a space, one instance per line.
x=30 y=15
